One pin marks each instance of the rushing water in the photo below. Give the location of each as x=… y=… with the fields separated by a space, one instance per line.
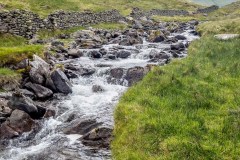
x=50 y=143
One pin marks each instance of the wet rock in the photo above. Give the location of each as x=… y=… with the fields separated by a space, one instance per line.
x=131 y=41
x=159 y=39
x=178 y=46
x=23 y=103
x=49 y=113
x=111 y=56
x=97 y=88
x=180 y=37
x=134 y=75
x=20 y=122
x=81 y=127
x=7 y=132
x=75 y=53
x=99 y=138
x=79 y=70
x=123 y=54
x=2 y=119
x=61 y=82
x=137 y=25
x=70 y=74
x=116 y=73
x=158 y=55
x=49 y=84
x=40 y=91
x=95 y=54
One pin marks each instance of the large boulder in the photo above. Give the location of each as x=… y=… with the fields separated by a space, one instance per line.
x=40 y=91
x=61 y=82
x=7 y=132
x=98 y=138
x=21 y=102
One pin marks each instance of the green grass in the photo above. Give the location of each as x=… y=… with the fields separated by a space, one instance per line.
x=13 y=49
x=189 y=109
x=178 y=18
x=45 y=34
x=110 y=26
x=220 y=26
x=44 y=7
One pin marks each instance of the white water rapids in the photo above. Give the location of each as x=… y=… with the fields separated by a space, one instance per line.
x=50 y=143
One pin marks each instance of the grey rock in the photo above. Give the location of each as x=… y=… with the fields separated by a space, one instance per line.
x=75 y=53
x=123 y=54
x=40 y=91
x=61 y=81
x=97 y=88
x=98 y=138
x=134 y=75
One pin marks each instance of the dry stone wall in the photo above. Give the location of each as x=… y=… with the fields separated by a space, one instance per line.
x=26 y=24
x=208 y=9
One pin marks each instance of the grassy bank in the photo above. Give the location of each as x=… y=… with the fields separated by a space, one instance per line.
x=13 y=49
x=188 y=109
x=44 y=7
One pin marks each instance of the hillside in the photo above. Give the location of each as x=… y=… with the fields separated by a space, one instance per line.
x=214 y=2
x=44 y=7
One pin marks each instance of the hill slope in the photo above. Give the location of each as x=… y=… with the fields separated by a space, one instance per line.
x=45 y=7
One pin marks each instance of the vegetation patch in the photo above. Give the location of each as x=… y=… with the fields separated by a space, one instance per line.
x=13 y=49
x=188 y=109
x=110 y=26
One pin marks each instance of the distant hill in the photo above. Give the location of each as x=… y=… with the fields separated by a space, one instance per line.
x=44 y=7
x=214 y=2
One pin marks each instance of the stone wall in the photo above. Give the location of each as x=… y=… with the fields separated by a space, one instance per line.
x=26 y=24
x=208 y=9
x=137 y=13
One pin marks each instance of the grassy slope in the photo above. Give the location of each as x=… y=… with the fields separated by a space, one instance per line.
x=44 y=7
x=188 y=109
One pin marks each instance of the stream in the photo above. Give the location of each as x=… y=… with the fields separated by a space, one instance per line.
x=50 y=143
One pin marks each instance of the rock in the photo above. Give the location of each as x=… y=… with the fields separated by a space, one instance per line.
x=49 y=113
x=78 y=69
x=99 y=138
x=134 y=75
x=22 y=65
x=75 y=53
x=159 y=39
x=57 y=43
x=27 y=93
x=154 y=54
x=23 y=103
x=7 y=132
x=61 y=82
x=111 y=56
x=95 y=54
x=180 y=37
x=226 y=36
x=123 y=54
x=137 y=25
x=40 y=91
x=39 y=70
x=81 y=127
x=97 y=88
x=70 y=74
x=20 y=122
x=131 y=41
x=116 y=73
x=178 y=46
